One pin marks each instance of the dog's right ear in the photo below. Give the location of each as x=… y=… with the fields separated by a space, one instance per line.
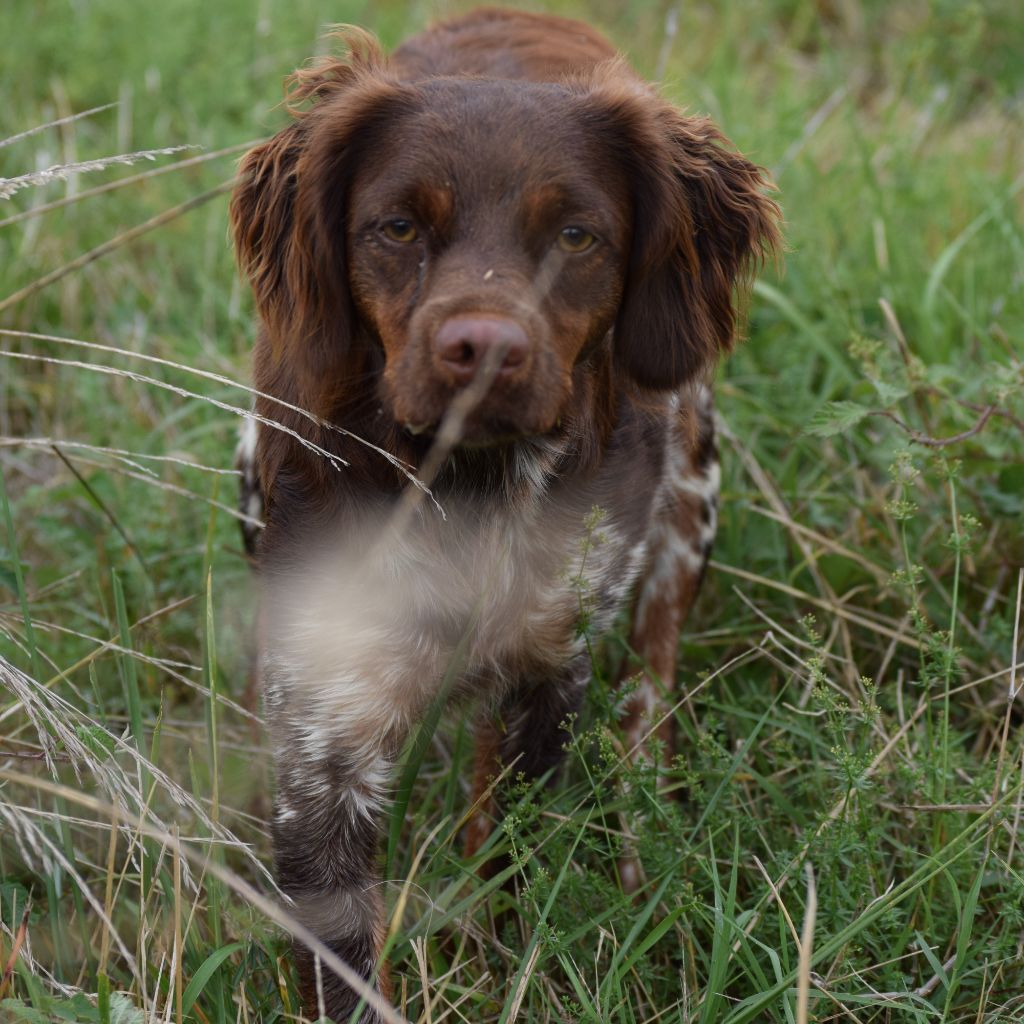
x=287 y=212
x=262 y=221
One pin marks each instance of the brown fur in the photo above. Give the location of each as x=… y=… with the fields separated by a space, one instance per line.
x=426 y=196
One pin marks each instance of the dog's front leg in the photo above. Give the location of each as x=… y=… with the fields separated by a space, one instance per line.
x=330 y=786
x=528 y=736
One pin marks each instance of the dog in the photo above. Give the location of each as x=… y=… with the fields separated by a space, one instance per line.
x=492 y=274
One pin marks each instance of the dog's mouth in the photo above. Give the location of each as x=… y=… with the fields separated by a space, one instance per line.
x=485 y=414
x=476 y=432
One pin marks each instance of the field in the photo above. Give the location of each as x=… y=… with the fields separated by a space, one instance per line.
x=841 y=834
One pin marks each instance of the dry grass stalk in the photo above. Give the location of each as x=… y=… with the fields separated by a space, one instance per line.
x=35 y=130
x=61 y=172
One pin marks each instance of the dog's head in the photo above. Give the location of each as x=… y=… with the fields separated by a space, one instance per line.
x=414 y=228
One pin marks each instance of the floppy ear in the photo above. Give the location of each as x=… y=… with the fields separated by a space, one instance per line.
x=701 y=225
x=288 y=214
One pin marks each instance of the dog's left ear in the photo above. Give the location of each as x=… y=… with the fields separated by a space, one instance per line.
x=702 y=223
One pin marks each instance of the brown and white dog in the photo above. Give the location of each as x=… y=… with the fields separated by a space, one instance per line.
x=501 y=210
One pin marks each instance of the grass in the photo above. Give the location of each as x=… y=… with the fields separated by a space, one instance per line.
x=846 y=710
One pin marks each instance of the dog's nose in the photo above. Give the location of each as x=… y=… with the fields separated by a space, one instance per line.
x=463 y=343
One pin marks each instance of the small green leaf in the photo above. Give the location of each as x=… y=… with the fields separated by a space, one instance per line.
x=77 y=1009
x=836 y=418
x=205 y=972
x=97 y=740
x=124 y=1011
x=888 y=392
x=15 y=1009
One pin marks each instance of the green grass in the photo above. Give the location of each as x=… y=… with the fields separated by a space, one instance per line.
x=872 y=745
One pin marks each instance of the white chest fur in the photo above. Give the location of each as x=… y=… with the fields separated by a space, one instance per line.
x=371 y=627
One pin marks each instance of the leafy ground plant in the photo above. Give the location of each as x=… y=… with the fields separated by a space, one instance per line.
x=839 y=834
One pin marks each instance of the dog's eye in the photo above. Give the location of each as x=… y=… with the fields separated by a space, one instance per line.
x=574 y=239
x=400 y=230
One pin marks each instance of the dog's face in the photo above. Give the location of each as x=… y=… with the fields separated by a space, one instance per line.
x=480 y=217
x=445 y=224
